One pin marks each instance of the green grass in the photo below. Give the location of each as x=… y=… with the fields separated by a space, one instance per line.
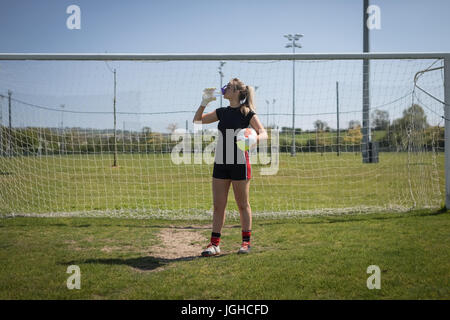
x=309 y=181
x=308 y=258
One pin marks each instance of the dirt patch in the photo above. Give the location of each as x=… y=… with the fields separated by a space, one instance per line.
x=176 y=244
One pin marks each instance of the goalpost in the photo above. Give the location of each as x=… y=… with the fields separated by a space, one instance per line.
x=112 y=134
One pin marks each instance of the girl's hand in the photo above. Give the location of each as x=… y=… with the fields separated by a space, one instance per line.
x=208 y=96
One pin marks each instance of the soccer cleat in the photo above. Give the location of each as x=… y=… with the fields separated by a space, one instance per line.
x=211 y=250
x=245 y=248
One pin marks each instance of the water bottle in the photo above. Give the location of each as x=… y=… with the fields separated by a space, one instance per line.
x=212 y=91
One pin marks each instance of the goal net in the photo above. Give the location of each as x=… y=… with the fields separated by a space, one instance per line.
x=65 y=151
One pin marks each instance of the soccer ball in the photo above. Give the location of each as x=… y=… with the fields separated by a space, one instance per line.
x=246 y=139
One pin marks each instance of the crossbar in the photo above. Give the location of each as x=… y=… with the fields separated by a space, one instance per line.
x=221 y=56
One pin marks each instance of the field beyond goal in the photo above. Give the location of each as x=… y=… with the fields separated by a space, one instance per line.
x=97 y=134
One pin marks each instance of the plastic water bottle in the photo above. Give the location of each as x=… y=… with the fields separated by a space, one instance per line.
x=213 y=91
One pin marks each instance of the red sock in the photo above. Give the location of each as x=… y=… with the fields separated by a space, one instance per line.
x=246 y=235
x=215 y=238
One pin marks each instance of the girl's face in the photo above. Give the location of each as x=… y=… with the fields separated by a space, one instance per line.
x=231 y=92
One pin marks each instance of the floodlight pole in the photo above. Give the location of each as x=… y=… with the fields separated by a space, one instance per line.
x=337 y=115
x=366 y=92
x=10 y=125
x=222 y=63
x=293 y=105
x=447 y=128
x=61 y=148
x=113 y=71
x=293 y=45
x=62 y=116
x=115 y=122
x=273 y=108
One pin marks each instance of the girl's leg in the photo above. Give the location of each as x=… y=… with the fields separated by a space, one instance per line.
x=241 y=189
x=220 y=188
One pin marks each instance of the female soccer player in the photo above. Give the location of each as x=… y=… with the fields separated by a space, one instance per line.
x=238 y=115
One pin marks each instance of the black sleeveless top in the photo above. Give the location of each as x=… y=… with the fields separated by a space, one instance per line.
x=230 y=118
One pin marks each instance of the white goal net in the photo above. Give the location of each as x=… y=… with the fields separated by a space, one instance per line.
x=59 y=140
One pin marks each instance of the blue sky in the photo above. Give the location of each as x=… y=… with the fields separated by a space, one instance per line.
x=199 y=26
x=220 y=26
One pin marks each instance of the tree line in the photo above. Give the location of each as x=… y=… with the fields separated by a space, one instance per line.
x=410 y=132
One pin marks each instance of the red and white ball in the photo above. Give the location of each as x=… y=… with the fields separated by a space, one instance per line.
x=246 y=139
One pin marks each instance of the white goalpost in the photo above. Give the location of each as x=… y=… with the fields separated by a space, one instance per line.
x=112 y=134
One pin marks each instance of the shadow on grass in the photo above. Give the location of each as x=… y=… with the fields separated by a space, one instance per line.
x=148 y=263
x=206 y=226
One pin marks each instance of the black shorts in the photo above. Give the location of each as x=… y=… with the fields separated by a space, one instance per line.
x=232 y=171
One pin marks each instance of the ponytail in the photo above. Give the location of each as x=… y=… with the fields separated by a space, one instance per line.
x=248 y=98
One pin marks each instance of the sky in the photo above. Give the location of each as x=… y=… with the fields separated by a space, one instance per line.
x=248 y=26
x=199 y=26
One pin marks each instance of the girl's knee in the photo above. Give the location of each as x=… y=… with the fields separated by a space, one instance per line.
x=219 y=207
x=244 y=206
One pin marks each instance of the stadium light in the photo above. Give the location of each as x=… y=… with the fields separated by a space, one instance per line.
x=293 y=44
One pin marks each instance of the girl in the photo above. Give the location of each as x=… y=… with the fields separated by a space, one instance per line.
x=238 y=115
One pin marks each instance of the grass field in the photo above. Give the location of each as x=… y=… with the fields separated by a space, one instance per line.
x=309 y=257
x=305 y=258
x=152 y=183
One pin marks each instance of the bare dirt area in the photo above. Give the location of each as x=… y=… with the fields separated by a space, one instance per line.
x=177 y=243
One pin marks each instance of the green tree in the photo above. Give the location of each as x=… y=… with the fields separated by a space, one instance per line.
x=415 y=118
x=380 y=120
x=408 y=132
x=320 y=125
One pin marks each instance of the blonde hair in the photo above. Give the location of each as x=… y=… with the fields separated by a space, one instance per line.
x=246 y=95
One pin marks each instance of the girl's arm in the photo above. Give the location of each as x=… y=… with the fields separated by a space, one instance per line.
x=259 y=128
x=199 y=117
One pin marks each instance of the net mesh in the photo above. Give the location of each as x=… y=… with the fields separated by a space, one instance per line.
x=57 y=144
